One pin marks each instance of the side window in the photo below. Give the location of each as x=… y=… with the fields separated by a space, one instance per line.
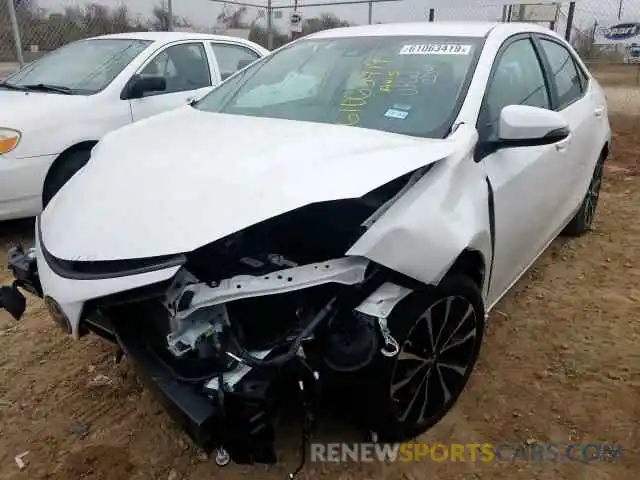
x=518 y=80
x=564 y=71
x=184 y=67
x=232 y=58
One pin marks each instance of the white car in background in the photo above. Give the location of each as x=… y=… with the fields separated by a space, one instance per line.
x=340 y=215
x=54 y=110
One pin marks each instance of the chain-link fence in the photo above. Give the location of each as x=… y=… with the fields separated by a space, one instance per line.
x=30 y=27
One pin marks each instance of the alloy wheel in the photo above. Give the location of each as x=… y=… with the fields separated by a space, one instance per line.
x=591 y=200
x=432 y=366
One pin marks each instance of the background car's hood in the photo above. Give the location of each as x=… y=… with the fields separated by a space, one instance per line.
x=20 y=109
x=182 y=179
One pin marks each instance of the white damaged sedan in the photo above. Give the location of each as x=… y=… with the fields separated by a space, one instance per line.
x=334 y=221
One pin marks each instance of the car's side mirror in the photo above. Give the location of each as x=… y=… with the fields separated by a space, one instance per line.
x=525 y=126
x=139 y=85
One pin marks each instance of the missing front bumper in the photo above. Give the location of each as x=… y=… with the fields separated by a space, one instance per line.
x=22 y=265
x=241 y=422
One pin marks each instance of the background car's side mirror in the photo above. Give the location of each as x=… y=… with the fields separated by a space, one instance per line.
x=139 y=85
x=525 y=126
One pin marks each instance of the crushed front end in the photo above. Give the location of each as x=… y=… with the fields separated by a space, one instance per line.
x=231 y=335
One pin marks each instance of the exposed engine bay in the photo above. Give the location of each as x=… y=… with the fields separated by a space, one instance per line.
x=249 y=341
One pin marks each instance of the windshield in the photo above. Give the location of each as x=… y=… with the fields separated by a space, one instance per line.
x=85 y=67
x=407 y=85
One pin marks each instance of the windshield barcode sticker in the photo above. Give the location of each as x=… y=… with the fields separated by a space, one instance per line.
x=436 y=49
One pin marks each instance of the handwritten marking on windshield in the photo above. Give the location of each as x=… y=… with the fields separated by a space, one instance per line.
x=387 y=83
x=354 y=99
x=376 y=63
x=407 y=83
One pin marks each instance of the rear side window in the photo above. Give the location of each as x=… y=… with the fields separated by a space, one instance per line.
x=232 y=58
x=564 y=71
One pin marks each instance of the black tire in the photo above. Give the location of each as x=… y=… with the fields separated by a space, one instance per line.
x=62 y=170
x=583 y=219
x=385 y=412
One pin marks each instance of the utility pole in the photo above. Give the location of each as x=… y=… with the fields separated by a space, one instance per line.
x=572 y=11
x=170 y=15
x=620 y=9
x=269 y=25
x=16 y=32
x=370 y=12
x=432 y=14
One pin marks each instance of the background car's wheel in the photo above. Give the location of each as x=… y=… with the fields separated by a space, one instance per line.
x=583 y=218
x=62 y=170
x=439 y=332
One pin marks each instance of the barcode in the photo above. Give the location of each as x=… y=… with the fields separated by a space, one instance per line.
x=436 y=49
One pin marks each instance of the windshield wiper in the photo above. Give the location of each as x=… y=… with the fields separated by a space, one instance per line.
x=11 y=86
x=46 y=87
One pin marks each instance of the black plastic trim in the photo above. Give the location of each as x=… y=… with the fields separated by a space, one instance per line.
x=492 y=229
x=104 y=269
x=188 y=407
x=101 y=326
x=485 y=149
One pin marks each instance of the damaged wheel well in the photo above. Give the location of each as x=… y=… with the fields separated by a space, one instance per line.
x=470 y=263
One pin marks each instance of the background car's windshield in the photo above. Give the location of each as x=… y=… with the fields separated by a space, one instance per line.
x=86 y=66
x=408 y=85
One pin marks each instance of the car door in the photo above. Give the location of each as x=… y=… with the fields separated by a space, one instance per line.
x=232 y=57
x=187 y=71
x=527 y=182
x=582 y=112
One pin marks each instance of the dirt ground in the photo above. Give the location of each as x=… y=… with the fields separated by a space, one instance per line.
x=560 y=363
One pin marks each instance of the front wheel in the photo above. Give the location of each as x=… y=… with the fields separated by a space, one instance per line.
x=439 y=332
x=62 y=170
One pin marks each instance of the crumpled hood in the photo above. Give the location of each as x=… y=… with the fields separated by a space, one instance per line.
x=20 y=109
x=182 y=179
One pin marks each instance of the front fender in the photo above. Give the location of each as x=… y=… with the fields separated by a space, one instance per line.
x=88 y=119
x=446 y=212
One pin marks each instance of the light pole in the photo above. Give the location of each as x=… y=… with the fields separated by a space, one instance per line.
x=16 y=31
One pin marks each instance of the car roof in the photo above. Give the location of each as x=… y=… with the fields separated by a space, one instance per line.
x=166 y=37
x=439 y=28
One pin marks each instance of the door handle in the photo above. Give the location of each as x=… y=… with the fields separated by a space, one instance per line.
x=599 y=111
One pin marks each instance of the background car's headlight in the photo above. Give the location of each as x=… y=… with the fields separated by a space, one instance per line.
x=9 y=139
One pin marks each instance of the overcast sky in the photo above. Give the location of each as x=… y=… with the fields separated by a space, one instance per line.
x=203 y=13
